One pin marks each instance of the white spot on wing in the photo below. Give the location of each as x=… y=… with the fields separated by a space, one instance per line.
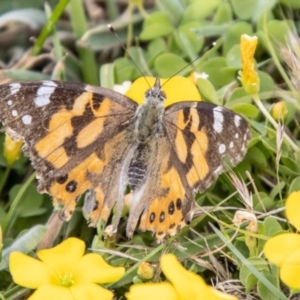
x=26 y=119
x=218 y=119
x=231 y=145
x=9 y=102
x=236 y=135
x=44 y=93
x=222 y=148
x=237 y=120
x=218 y=169
x=14 y=113
x=14 y=88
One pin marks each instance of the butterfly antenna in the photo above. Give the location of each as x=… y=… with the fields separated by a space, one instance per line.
x=213 y=45
x=110 y=27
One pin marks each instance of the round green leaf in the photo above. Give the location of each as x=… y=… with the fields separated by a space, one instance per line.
x=246 y=109
x=272 y=226
x=223 y=14
x=257 y=156
x=157 y=25
x=154 y=31
x=219 y=74
x=168 y=64
x=233 y=57
x=266 y=85
x=244 y=9
x=234 y=35
x=199 y=10
x=207 y=90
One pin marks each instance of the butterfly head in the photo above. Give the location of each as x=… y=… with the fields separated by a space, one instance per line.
x=156 y=92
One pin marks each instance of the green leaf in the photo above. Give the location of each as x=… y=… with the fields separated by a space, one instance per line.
x=264 y=203
x=277 y=189
x=168 y=64
x=157 y=25
x=107 y=76
x=279 y=30
x=27 y=242
x=267 y=85
x=223 y=14
x=219 y=73
x=272 y=226
x=31 y=201
x=155 y=47
x=263 y=291
x=188 y=40
x=234 y=35
x=291 y=164
x=239 y=95
x=174 y=9
x=207 y=90
x=257 y=156
x=233 y=57
x=246 y=109
x=251 y=9
x=295 y=185
x=199 y=10
x=34 y=18
x=244 y=9
x=124 y=70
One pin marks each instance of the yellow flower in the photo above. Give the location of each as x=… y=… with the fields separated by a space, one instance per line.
x=284 y=249
x=279 y=111
x=182 y=285
x=177 y=89
x=249 y=77
x=64 y=272
x=12 y=149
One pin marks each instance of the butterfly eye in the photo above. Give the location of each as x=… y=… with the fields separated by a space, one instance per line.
x=162 y=96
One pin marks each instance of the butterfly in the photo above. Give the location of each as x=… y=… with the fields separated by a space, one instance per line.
x=87 y=139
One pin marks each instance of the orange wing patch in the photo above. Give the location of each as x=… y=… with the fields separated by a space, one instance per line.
x=165 y=215
x=68 y=188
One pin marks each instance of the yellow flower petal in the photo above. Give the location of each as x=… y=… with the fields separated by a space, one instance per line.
x=249 y=77
x=290 y=270
x=187 y=284
x=177 y=89
x=292 y=207
x=212 y=294
x=150 y=291
x=29 y=272
x=93 y=268
x=279 y=247
x=50 y=292
x=65 y=256
x=90 y=291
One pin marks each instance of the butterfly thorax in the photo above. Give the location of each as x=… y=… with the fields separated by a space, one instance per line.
x=149 y=116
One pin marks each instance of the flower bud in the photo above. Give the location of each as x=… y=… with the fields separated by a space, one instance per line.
x=279 y=111
x=12 y=150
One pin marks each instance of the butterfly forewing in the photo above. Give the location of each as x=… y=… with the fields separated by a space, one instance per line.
x=72 y=132
x=202 y=134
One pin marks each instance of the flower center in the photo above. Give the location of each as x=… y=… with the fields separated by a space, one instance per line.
x=66 y=279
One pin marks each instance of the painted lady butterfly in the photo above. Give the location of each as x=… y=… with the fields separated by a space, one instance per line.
x=85 y=138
